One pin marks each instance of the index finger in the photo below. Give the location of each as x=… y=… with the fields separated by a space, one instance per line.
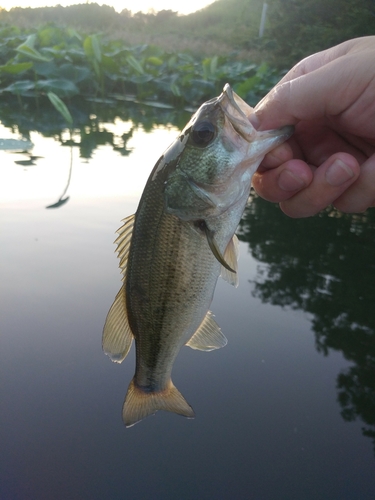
x=315 y=94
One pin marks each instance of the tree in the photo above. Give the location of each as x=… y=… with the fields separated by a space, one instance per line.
x=298 y=28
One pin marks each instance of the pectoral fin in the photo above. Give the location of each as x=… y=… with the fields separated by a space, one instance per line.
x=117 y=335
x=231 y=257
x=214 y=248
x=208 y=336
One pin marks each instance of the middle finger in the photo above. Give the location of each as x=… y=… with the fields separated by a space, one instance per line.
x=319 y=141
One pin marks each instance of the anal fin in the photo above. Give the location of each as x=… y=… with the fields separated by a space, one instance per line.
x=208 y=336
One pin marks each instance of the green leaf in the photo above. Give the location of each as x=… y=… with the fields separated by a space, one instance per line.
x=262 y=69
x=74 y=73
x=172 y=62
x=72 y=33
x=46 y=36
x=22 y=87
x=87 y=47
x=64 y=88
x=209 y=66
x=17 y=68
x=60 y=106
x=244 y=87
x=213 y=65
x=47 y=69
x=27 y=49
x=175 y=89
x=110 y=64
x=132 y=61
x=140 y=79
x=155 y=61
x=30 y=40
x=96 y=47
x=92 y=49
x=96 y=67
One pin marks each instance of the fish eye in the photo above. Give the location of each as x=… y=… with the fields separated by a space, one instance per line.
x=203 y=133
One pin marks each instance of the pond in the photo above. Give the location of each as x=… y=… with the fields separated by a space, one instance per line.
x=286 y=410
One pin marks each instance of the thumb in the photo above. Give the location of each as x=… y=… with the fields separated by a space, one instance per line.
x=325 y=91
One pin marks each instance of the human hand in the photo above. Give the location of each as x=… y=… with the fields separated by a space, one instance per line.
x=330 y=98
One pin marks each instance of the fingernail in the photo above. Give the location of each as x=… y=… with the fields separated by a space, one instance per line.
x=289 y=182
x=338 y=173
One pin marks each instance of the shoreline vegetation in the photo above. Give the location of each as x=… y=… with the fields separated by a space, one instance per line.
x=293 y=28
x=56 y=54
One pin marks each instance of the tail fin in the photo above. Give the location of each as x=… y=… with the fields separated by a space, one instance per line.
x=140 y=404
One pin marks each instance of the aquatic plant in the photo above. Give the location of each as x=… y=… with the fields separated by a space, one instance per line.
x=36 y=62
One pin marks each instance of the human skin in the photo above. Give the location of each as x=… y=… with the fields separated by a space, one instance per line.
x=330 y=160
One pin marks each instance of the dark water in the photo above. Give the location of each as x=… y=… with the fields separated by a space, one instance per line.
x=285 y=411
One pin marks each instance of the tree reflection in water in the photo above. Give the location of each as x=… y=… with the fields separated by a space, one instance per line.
x=92 y=121
x=324 y=265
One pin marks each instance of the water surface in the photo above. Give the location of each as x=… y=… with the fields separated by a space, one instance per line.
x=286 y=410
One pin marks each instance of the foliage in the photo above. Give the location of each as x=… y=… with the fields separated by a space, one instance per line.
x=89 y=16
x=61 y=61
x=298 y=28
x=229 y=22
x=294 y=28
x=58 y=104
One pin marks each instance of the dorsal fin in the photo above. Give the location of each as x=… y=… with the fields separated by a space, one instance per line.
x=123 y=241
x=231 y=258
x=117 y=335
x=208 y=336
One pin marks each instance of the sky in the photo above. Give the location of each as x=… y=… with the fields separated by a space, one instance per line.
x=183 y=7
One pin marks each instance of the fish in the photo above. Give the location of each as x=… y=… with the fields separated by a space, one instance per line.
x=177 y=244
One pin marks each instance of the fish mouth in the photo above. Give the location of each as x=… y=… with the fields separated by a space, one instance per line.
x=238 y=112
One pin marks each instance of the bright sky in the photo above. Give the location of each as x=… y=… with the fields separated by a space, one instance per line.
x=183 y=7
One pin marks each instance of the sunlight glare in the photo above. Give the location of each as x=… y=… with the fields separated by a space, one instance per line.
x=97 y=177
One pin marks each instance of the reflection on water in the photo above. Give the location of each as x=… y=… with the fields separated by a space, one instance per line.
x=95 y=124
x=325 y=266
x=268 y=423
x=61 y=201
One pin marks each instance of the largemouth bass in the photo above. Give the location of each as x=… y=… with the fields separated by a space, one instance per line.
x=177 y=244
